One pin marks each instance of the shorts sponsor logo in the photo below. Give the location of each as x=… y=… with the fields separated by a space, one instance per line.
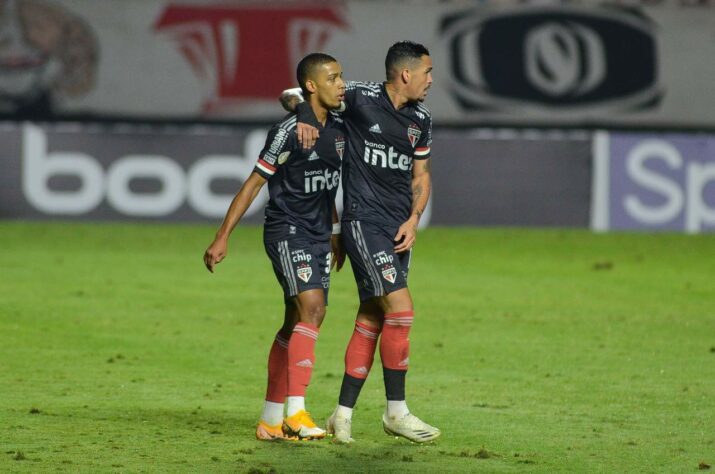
x=325 y=281
x=300 y=256
x=389 y=273
x=413 y=133
x=382 y=257
x=558 y=58
x=304 y=272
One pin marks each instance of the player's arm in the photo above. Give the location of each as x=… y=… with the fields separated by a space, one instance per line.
x=336 y=243
x=421 y=188
x=241 y=202
x=307 y=124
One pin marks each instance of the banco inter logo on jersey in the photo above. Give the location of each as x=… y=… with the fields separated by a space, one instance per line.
x=317 y=180
x=414 y=134
x=377 y=154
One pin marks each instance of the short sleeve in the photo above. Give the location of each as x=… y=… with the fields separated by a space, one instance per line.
x=350 y=93
x=423 y=149
x=279 y=145
x=355 y=88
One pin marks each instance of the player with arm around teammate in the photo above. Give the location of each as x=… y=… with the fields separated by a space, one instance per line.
x=299 y=220
x=386 y=185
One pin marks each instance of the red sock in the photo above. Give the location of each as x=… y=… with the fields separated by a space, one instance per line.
x=301 y=358
x=394 y=343
x=277 y=371
x=361 y=350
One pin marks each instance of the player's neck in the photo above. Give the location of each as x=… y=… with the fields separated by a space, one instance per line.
x=393 y=92
x=321 y=113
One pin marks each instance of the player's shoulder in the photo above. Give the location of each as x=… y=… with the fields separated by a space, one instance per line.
x=281 y=136
x=369 y=86
x=287 y=123
x=422 y=112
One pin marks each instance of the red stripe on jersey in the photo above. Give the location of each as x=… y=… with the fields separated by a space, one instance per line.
x=266 y=165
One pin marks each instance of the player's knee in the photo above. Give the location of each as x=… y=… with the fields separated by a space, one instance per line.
x=313 y=314
x=370 y=314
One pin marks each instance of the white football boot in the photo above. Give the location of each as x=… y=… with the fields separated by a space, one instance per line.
x=340 y=427
x=410 y=427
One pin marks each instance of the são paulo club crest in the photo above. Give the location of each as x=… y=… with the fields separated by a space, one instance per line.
x=389 y=273
x=304 y=272
x=413 y=133
x=340 y=146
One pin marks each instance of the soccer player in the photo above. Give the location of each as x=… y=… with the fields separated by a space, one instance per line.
x=299 y=221
x=386 y=184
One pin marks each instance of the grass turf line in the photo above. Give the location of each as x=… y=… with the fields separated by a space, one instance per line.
x=533 y=351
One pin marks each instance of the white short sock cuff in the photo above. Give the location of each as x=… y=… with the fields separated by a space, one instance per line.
x=294 y=405
x=396 y=409
x=344 y=412
x=272 y=413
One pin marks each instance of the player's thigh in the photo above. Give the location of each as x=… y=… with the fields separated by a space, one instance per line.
x=378 y=270
x=301 y=265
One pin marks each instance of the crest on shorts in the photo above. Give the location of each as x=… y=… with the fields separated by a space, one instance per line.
x=413 y=133
x=340 y=146
x=304 y=272
x=389 y=273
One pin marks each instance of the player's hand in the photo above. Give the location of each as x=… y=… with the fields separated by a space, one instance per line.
x=289 y=101
x=307 y=135
x=338 y=252
x=215 y=253
x=405 y=237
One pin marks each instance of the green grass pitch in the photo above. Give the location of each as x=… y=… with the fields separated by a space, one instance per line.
x=533 y=351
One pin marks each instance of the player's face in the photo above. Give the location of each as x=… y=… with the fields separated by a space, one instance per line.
x=420 y=79
x=330 y=87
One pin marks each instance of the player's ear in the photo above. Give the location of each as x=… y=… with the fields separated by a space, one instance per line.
x=405 y=74
x=311 y=86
